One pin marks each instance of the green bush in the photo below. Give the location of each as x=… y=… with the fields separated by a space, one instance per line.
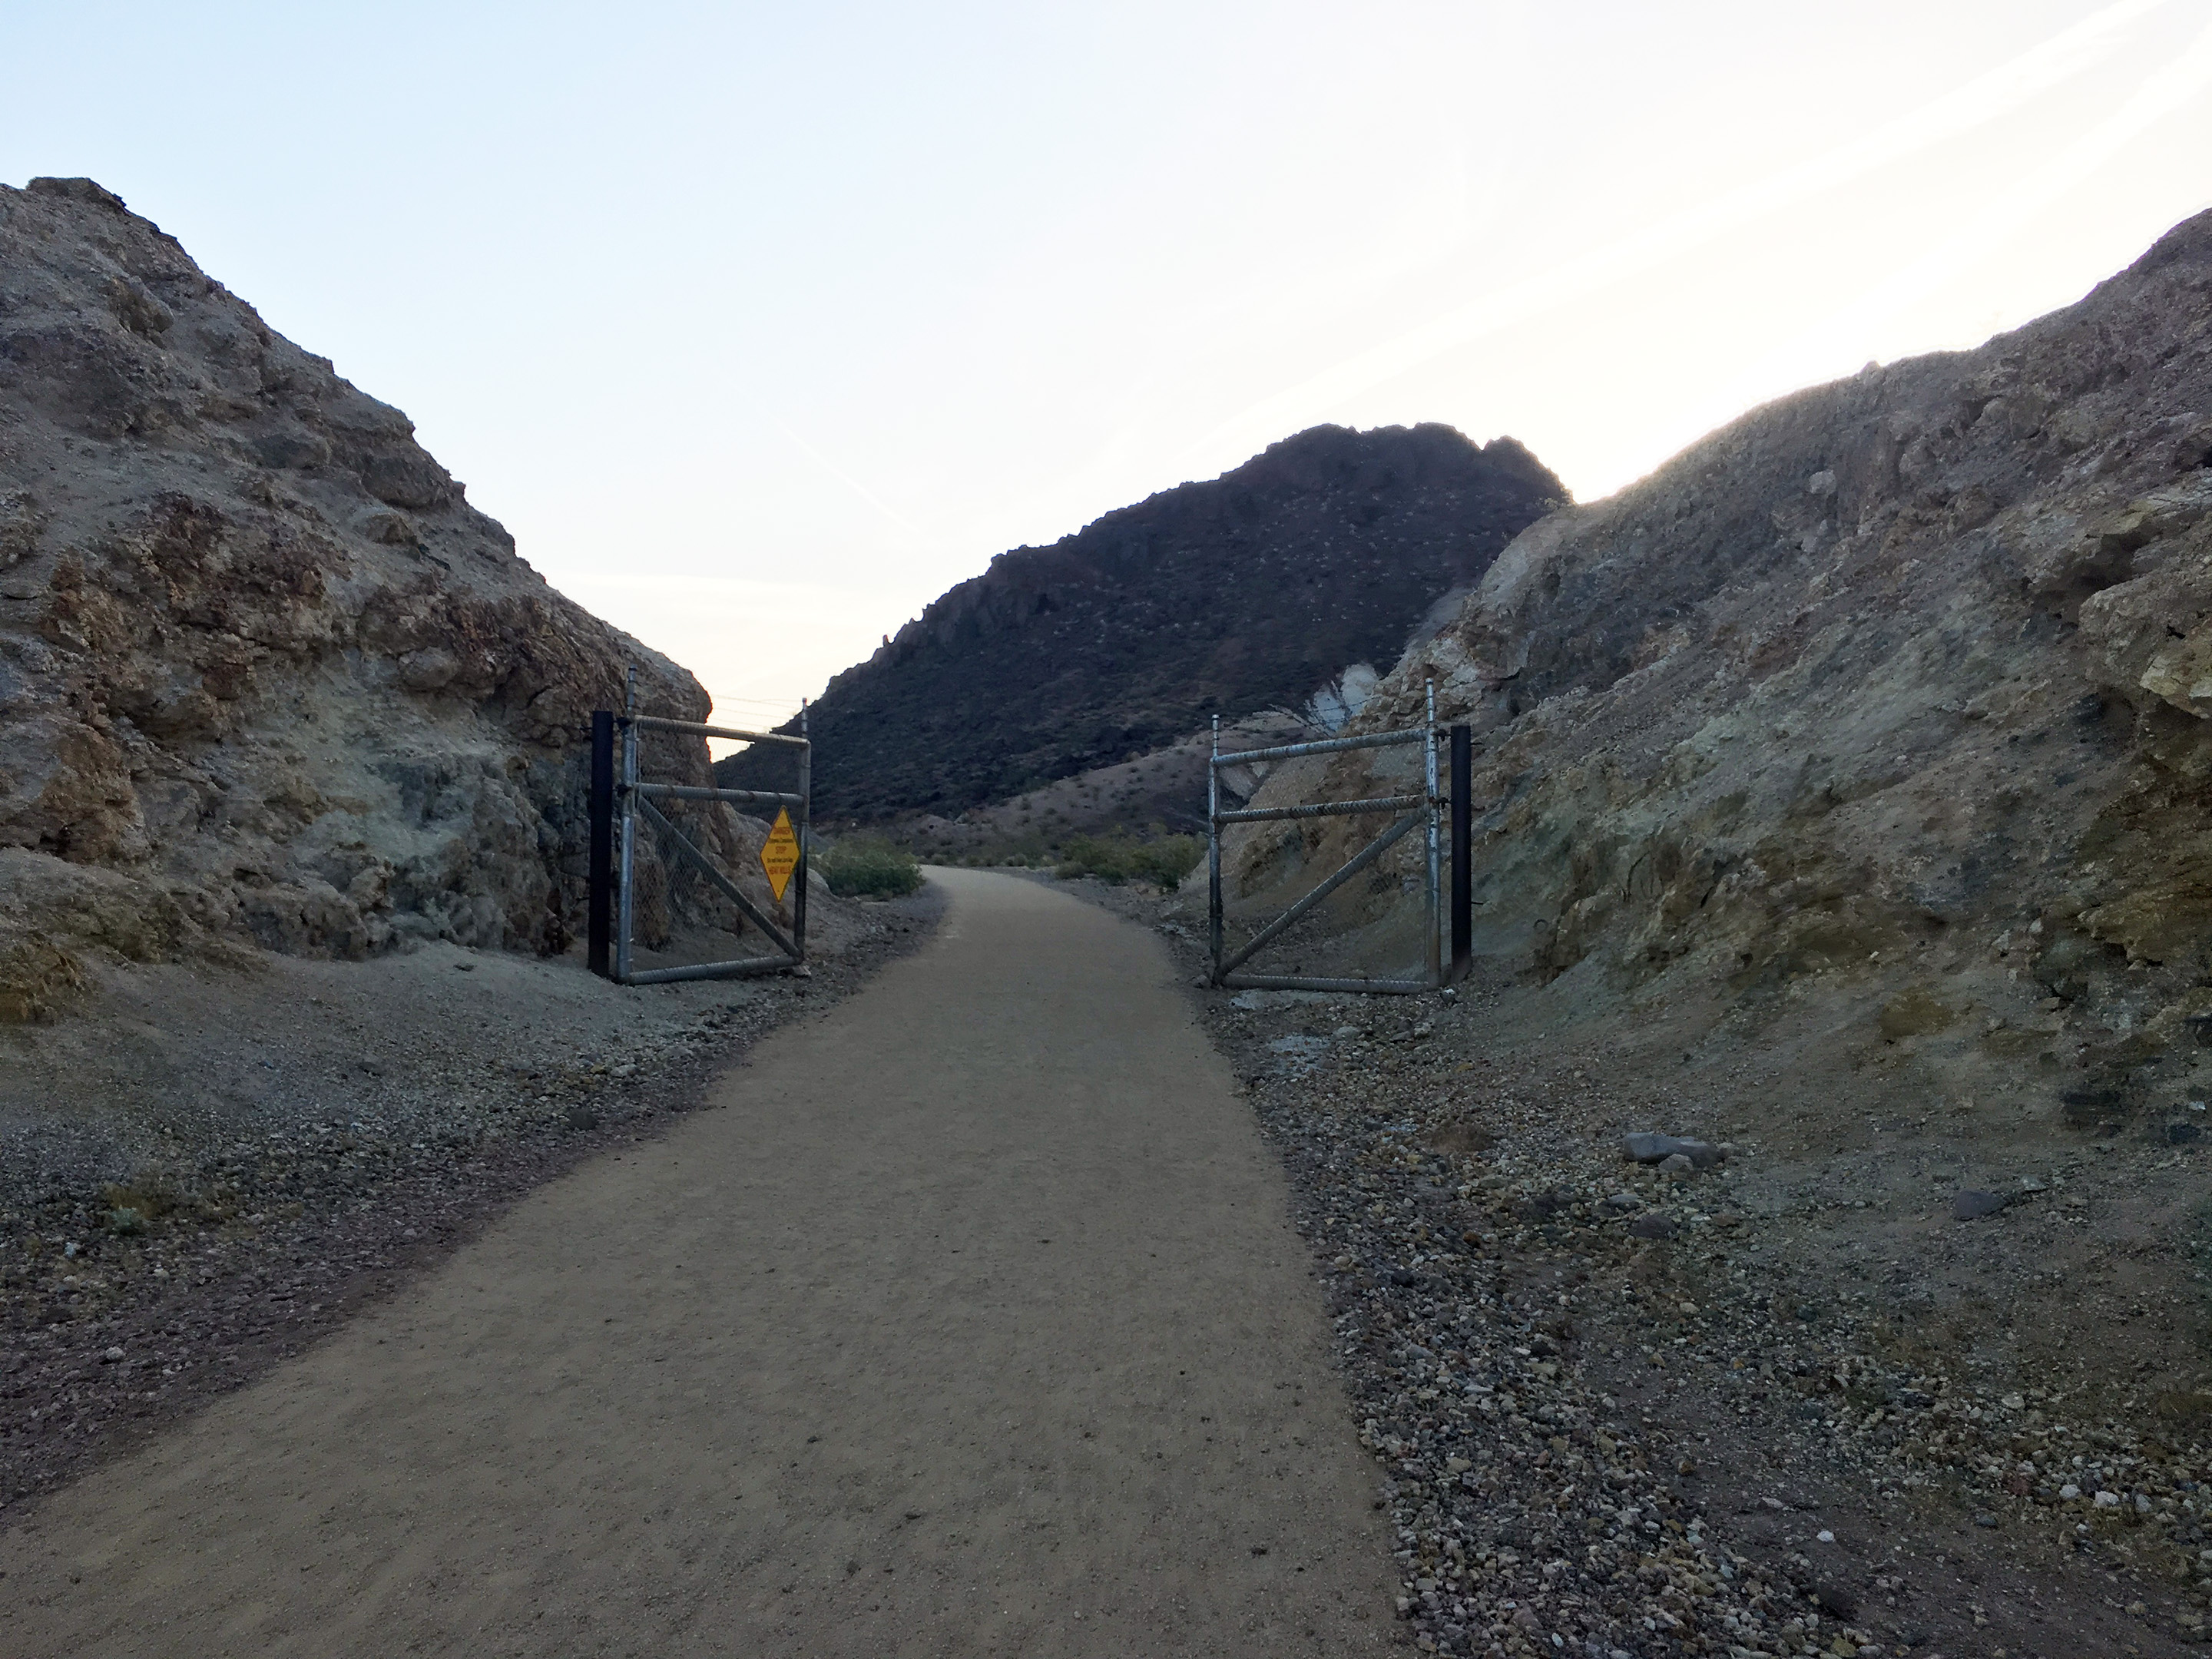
x=1118 y=857
x=1026 y=851
x=869 y=866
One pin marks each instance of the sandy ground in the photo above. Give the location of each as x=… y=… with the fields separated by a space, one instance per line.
x=296 y=1138
x=971 y=1321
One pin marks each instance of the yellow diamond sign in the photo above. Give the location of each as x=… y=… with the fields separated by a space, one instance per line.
x=780 y=854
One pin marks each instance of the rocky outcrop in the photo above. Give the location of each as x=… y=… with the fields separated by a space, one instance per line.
x=266 y=678
x=1223 y=598
x=1900 y=687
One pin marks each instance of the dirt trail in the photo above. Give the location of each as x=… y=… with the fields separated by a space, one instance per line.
x=971 y=1322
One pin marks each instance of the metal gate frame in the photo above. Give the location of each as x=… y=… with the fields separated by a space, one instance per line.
x=616 y=807
x=1426 y=809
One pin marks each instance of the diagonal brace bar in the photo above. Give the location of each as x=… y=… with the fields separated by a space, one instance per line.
x=1326 y=746
x=1323 y=810
x=729 y=890
x=735 y=797
x=1373 y=850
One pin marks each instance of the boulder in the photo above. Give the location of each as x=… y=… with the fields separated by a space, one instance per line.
x=1645 y=1146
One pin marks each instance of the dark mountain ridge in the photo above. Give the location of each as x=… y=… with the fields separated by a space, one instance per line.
x=1215 y=598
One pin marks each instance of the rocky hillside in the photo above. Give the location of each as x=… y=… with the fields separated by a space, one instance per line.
x=1844 y=802
x=1894 y=698
x=1221 y=598
x=266 y=678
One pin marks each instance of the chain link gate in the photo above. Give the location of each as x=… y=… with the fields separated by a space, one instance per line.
x=1422 y=810
x=617 y=804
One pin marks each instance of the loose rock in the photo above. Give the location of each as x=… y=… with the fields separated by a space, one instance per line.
x=1973 y=1206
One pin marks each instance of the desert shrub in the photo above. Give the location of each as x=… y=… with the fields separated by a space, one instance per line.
x=869 y=866
x=1119 y=856
x=1025 y=851
x=1169 y=858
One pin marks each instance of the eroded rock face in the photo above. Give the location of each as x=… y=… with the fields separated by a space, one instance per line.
x=1894 y=676
x=266 y=677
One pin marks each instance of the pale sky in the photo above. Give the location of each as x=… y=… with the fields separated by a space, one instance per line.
x=761 y=326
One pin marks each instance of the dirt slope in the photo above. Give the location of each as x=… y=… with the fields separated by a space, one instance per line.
x=1897 y=687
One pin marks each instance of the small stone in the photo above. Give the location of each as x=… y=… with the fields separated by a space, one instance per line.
x=1525 y=1618
x=112 y=1355
x=1825 y=1536
x=1624 y=1203
x=1972 y=1206
x=1986 y=1519
x=1646 y=1147
x=464 y=967
x=2070 y=1490
x=2108 y=1500
x=1836 y=1600
x=2138 y=1609
x=1676 y=1164
x=1651 y=1225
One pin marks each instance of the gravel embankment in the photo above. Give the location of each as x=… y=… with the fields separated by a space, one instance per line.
x=1600 y=1426
x=1620 y=1413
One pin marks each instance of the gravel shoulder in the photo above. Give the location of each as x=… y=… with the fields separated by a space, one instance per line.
x=969 y=1319
x=1802 y=1404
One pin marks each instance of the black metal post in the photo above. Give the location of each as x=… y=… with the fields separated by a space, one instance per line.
x=1213 y=852
x=805 y=834
x=1462 y=851
x=599 y=875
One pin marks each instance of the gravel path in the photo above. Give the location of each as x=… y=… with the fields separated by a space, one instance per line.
x=972 y=1320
